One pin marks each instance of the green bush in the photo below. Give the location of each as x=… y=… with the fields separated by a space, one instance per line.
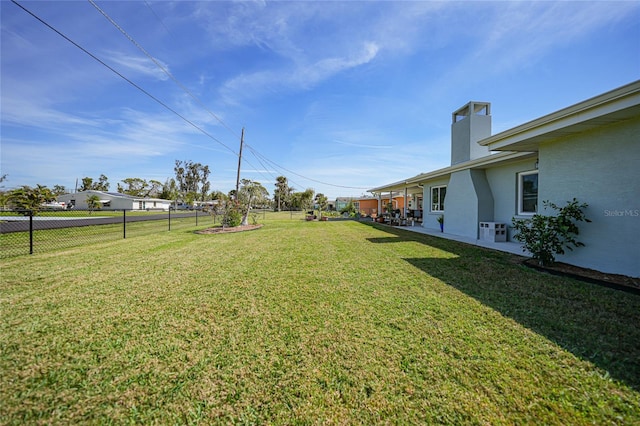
x=349 y=208
x=254 y=218
x=232 y=218
x=545 y=236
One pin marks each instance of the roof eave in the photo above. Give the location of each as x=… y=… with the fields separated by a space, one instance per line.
x=481 y=162
x=619 y=104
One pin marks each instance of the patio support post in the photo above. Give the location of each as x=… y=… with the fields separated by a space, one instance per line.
x=405 y=203
x=379 y=203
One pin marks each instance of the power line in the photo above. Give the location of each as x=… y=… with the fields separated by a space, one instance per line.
x=266 y=169
x=157 y=17
x=186 y=90
x=160 y=102
x=121 y=75
x=305 y=177
x=159 y=65
x=258 y=156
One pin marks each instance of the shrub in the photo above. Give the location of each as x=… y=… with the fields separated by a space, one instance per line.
x=349 y=208
x=232 y=218
x=545 y=236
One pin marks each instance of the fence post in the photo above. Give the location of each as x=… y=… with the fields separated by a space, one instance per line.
x=169 y=218
x=124 y=224
x=196 y=217
x=30 y=231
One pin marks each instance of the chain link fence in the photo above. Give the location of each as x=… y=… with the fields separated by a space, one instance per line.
x=26 y=232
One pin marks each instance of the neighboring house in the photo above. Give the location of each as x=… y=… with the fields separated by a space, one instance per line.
x=114 y=201
x=342 y=202
x=589 y=151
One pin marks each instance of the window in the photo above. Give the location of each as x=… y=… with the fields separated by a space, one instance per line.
x=437 y=198
x=528 y=192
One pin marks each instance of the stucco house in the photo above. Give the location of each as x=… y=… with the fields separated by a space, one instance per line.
x=114 y=201
x=590 y=151
x=341 y=203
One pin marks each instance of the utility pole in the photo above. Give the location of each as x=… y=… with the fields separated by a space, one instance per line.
x=239 y=163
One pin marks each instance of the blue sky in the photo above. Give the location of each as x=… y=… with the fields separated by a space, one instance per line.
x=337 y=96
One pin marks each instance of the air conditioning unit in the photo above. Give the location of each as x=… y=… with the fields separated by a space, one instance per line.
x=493 y=231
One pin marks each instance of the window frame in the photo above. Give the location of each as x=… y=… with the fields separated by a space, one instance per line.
x=440 y=198
x=520 y=193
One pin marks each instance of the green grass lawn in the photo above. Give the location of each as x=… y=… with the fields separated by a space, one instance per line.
x=309 y=323
x=46 y=240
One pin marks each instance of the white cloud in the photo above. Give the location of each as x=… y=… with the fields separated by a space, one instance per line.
x=326 y=68
x=75 y=144
x=362 y=145
x=301 y=77
x=140 y=65
x=22 y=112
x=251 y=50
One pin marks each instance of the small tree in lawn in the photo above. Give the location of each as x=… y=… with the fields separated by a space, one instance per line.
x=93 y=203
x=250 y=192
x=322 y=201
x=545 y=236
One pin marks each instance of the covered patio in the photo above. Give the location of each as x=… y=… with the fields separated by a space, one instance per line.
x=410 y=212
x=508 y=246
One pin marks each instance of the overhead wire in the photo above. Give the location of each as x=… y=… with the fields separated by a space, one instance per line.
x=186 y=90
x=305 y=177
x=163 y=104
x=159 y=65
x=259 y=156
x=121 y=75
x=157 y=17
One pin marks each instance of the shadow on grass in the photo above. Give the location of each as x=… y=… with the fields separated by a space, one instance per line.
x=595 y=323
x=396 y=239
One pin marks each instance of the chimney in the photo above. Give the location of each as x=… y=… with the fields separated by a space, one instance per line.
x=470 y=124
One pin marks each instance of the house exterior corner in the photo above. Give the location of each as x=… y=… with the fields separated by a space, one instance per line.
x=589 y=151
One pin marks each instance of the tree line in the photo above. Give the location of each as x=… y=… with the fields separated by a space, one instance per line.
x=190 y=186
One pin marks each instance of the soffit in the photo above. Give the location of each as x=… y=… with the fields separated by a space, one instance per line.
x=612 y=107
x=414 y=183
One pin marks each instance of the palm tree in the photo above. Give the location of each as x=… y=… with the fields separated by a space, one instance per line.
x=93 y=202
x=250 y=191
x=322 y=202
x=283 y=191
